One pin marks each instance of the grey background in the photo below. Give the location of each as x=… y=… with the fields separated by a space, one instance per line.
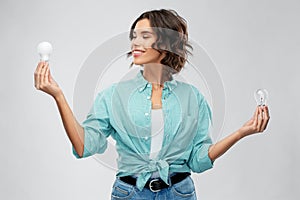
x=253 y=43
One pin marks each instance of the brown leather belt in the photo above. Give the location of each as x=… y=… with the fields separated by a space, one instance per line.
x=157 y=184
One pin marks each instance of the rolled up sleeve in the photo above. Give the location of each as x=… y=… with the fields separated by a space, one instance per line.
x=97 y=126
x=199 y=160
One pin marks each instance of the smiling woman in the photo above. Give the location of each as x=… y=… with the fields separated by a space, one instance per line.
x=166 y=32
x=142 y=40
x=161 y=125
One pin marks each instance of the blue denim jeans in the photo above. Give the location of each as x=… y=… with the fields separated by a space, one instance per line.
x=184 y=190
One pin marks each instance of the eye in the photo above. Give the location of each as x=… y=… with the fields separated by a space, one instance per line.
x=146 y=36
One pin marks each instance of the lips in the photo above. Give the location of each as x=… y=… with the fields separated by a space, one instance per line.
x=137 y=52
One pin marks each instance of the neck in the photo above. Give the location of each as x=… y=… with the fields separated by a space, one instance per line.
x=157 y=74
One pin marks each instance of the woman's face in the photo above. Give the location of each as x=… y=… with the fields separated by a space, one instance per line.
x=143 y=38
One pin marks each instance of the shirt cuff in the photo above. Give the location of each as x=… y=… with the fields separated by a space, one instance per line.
x=202 y=162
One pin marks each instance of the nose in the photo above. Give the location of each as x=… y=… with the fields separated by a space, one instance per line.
x=136 y=41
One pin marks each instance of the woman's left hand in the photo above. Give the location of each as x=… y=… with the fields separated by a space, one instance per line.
x=258 y=123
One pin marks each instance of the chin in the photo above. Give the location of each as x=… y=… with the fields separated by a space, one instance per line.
x=138 y=62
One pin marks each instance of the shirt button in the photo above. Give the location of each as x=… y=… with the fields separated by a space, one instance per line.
x=146 y=114
x=146 y=138
x=148 y=97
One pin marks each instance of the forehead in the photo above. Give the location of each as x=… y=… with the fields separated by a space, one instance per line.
x=143 y=25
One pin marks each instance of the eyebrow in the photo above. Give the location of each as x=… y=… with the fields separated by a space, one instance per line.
x=144 y=32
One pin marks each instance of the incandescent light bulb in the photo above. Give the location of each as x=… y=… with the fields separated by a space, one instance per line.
x=261 y=96
x=44 y=49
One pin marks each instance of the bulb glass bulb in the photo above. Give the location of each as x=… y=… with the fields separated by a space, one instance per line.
x=261 y=96
x=44 y=49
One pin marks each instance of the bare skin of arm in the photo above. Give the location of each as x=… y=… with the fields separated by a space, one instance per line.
x=257 y=124
x=45 y=82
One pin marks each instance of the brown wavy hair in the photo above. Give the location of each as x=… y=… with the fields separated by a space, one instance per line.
x=172 y=36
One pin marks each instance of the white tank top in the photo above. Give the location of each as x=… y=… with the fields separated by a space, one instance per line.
x=157 y=132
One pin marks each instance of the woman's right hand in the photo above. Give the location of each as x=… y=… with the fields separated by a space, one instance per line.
x=44 y=81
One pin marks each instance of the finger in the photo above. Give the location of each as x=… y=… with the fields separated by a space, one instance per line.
x=42 y=74
x=266 y=118
x=264 y=125
x=255 y=116
x=37 y=74
x=254 y=120
x=50 y=76
x=266 y=111
x=260 y=119
x=40 y=64
x=47 y=75
x=256 y=111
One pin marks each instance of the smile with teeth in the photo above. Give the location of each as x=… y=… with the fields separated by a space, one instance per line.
x=137 y=53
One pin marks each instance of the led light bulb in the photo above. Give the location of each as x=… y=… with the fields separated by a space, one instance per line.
x=261 y=96
x=44 y=49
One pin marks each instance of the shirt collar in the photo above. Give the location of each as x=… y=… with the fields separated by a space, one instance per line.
x=143 y=83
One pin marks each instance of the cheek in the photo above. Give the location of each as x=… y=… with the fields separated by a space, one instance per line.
x=153 y=54
x=148 y=43
x=150 y=54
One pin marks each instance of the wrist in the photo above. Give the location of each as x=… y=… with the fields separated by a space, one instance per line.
x=59 y=96
x=241 y=134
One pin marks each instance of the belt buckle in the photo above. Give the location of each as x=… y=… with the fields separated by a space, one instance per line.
x=150 y=185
